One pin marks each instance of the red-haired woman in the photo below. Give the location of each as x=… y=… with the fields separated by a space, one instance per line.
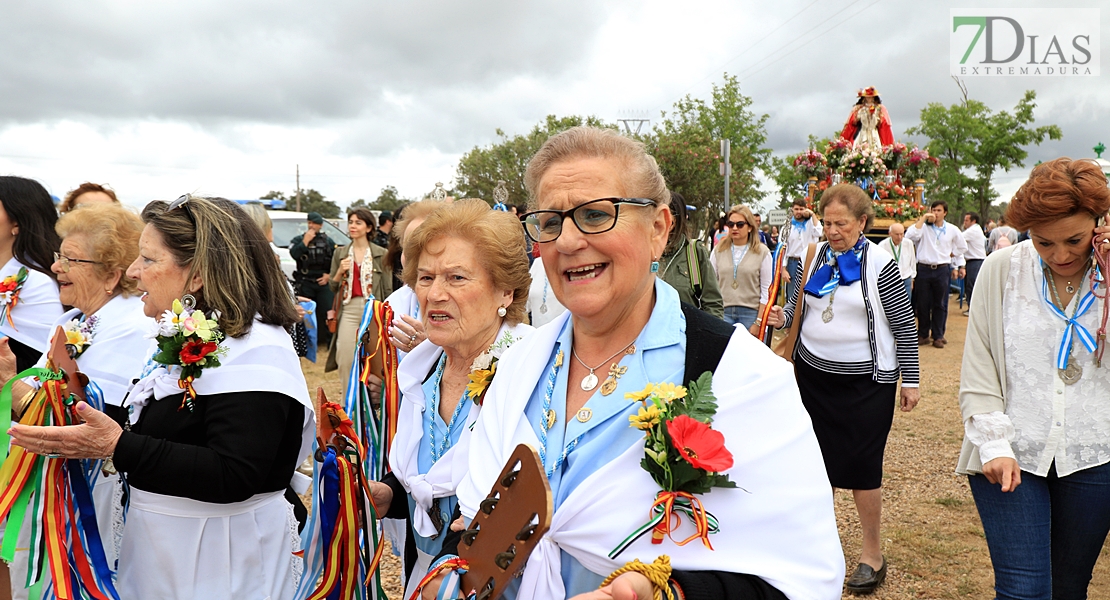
x=1033 y=392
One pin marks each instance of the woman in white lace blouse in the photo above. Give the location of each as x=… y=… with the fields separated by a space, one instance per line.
x=1033 y=393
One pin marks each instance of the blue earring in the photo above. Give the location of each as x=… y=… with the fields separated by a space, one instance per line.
x=654 y=266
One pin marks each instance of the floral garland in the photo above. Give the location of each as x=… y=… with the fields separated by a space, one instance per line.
x=485 y=367
x=9 y=294
x=188 y=338
x=79 y=333
x=683 y=454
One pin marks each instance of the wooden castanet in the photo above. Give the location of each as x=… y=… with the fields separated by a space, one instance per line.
x=58 y=358
x=510 y=522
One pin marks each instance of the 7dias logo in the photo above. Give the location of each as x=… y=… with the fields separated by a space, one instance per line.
x=1055 y=42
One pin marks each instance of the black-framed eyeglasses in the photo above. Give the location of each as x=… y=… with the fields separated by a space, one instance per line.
x=64 y=261
x=737 y=223
x=595 y=216
x=183 y=203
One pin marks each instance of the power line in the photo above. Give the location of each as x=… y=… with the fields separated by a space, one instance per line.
x=800 y=36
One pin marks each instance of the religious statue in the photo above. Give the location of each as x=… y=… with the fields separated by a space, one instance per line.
x=869 y=123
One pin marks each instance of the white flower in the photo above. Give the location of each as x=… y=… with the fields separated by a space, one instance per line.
x=166 y=325
x=482 y=362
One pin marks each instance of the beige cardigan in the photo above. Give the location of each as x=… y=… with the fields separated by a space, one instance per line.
x=983 y=374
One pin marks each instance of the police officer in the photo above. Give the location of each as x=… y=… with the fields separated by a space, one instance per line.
x=313 y=251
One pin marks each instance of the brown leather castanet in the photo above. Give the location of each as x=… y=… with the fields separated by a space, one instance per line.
x=59 y=360
x=511 y=521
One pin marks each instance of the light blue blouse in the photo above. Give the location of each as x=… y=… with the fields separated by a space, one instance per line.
x=607 y=433
x=425 y=460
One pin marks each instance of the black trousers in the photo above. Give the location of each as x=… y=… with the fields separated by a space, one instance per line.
x=973 y=266
x=931 y=300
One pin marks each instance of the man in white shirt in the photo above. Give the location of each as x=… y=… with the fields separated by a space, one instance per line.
x=940 y=248
x=976 y=242
x=904 y=254
x=804 y=229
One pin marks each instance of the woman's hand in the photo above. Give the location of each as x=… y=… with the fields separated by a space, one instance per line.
x=776 y=319
x=382 y=495
x=629 y=586
x=7 y=362
x=1005 y=471
x=374 y=389
x=344 y=266
x=1102 y=236
x=95 y=438
x=910 y=397
x=406 y=333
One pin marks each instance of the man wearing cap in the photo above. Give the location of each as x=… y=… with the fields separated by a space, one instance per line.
x=385 y=225
x=313 y=252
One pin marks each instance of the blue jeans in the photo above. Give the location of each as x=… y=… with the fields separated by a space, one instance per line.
x=792 y=267
x=908 y=282
x=741 y=315
x=1045 y=536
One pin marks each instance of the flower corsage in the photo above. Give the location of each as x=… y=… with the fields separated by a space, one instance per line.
x=9 y=294
x=485 y=366
x=188 y=338
x=79 y=333
x=683 y=454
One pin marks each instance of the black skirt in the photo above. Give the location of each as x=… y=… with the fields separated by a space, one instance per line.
x=851 y=415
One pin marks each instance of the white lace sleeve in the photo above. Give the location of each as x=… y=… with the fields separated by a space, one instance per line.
x=991 y=433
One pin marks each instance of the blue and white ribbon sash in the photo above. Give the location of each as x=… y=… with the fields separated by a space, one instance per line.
x=1072 y=326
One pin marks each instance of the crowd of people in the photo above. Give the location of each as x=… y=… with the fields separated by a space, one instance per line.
x=610 y=319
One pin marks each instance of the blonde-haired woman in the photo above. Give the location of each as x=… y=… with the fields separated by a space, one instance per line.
x=743 y=267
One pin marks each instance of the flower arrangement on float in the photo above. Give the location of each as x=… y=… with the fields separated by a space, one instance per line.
x=863 y=164
x=919 y=165
x=835 y=152
x=188 y=338
x=892 y=155
x=811 y=163
x=683 y=454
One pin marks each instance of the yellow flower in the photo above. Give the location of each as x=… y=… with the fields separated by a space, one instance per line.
x=75 y=338
x=177 y=307
x=642 y=394
x=647 y=418
x=669 y=392
x=479 y=381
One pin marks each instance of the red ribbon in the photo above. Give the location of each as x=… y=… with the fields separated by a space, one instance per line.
x=671 y=520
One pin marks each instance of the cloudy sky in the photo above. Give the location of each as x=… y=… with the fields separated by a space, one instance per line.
x=226 y=98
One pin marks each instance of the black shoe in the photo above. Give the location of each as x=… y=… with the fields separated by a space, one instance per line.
x=865 y=579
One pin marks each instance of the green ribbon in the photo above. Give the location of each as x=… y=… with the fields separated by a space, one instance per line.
x=15 y=517
x=681 y=505
x=6 y=400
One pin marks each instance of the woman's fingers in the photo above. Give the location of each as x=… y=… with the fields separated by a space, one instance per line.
x=95 y=438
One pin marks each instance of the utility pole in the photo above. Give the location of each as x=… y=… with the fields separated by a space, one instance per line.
x=726 y=168
x=298 y=188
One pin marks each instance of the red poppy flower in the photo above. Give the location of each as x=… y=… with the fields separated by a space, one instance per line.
x=195 y=351
x=699 y=444
x=7 y=286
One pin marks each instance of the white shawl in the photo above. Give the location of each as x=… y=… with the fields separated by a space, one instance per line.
x=263 y=360
x=118 y=349
x=782 y=529
x=38 y=306
x=441 y=480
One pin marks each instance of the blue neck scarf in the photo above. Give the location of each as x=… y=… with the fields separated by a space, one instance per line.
x=799 y=225
x=840 y=268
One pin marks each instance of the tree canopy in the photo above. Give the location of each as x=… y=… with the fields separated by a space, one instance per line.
x=505 y=160
x=311 y=201
x=973 y=142
x=388 y=199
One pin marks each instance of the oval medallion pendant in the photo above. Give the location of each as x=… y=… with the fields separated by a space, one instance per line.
x=589 y=382
x=1073 y=373
x=827 y=314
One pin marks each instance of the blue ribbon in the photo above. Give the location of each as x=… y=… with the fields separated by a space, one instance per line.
x=1072 y=326
x=309 y=307
x=840 y=268
x=87 y=517
x=501 y=207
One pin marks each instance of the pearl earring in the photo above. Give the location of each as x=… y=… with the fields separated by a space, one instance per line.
x=501 y=312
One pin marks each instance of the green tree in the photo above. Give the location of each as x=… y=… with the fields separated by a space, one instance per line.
x=973 y=142
x=686 y=143
x=388 y=199
x=311 y=201
x=505 y=160
x=790 y=183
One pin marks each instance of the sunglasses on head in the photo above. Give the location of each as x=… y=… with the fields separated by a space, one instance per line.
x=182 y=202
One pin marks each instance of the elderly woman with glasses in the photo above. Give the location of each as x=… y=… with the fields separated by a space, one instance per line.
x=601 y=222
x=107 y=335
x=208 y=455
x=744 y=270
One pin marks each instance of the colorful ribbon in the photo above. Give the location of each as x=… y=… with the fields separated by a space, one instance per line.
x=666 y=516
x=840 y=268
x=1072 y=326
x=454 y=566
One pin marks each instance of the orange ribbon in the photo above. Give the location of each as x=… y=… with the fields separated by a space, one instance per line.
x=665 y=501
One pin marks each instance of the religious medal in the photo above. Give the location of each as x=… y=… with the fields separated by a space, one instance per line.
x=437 y=519
x=735 y=284
x=543 y=308
x=1072 y=373
x=610 y=384
x=584 y=415
x=589 y=382
x=827 y=314
x=550 y=420
x=559 y=359
x=108 y=467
